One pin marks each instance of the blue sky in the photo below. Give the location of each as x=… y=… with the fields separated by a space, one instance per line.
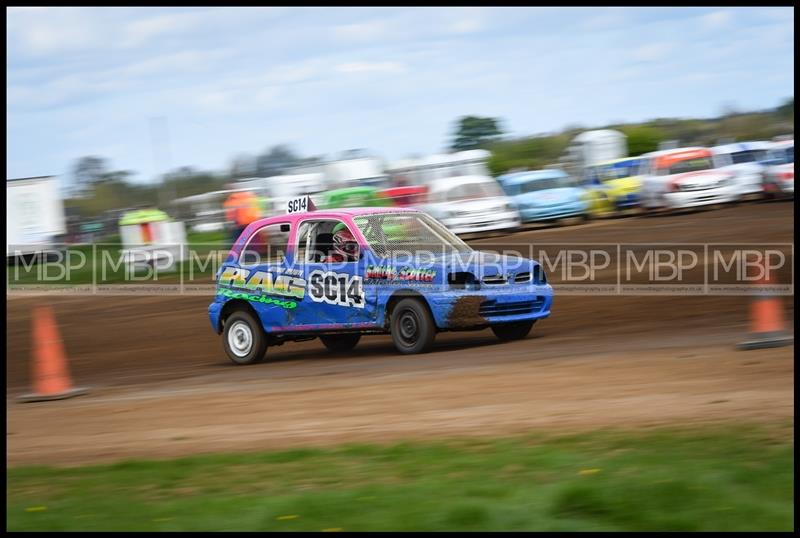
x=89 y=81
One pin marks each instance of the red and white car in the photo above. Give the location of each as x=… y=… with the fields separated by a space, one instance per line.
x=778 y=176
x=684 y=177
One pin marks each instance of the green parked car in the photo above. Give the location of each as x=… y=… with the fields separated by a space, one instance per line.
x=362 y=197
x=353 y=197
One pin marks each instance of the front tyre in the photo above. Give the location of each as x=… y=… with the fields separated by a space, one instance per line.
x=244 y=339
x=339 y=343
x=513 y=331
x=412 y=327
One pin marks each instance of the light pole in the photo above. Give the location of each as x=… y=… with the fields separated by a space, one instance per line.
x=159 y=138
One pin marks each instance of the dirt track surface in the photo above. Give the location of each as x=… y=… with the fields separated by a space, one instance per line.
x=161 y=385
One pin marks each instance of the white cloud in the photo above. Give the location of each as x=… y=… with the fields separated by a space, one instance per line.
x=143 y=30
x=604 y=21
x=371 y=67
x=293 y=73
x=716 y=20
x=96 y=83
x=231 y=79
x=652 y=52
x=46 y=30
x=466 y=26
x=360 y=31
x=237 y=96
x=179 y=62
x=191 y=23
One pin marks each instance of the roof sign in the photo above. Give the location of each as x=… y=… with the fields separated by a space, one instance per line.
x=300 y=204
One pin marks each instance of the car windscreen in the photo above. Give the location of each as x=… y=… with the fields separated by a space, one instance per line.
x=748 y=156
x=541 y=185
x=781 y=156
x=617 y=171
x=688 y=165
x=473 y=191
x=404 y=234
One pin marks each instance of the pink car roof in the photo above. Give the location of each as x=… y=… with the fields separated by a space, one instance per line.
x=292 y=218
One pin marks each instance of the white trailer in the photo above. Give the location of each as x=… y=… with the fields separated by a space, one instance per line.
x=35 y=219
x=354 y=168
x=428 y=170
x=593 y=147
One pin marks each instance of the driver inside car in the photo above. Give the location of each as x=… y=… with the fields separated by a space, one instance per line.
x=344 y=246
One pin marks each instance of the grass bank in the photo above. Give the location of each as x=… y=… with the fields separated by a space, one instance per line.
x=710 y=478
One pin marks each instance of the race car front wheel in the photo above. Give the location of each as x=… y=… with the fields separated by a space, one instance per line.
x=340 y=342
x=243 y=338
x=412 y=327
x=513 y=331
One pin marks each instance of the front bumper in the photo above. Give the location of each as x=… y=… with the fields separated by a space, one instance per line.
x=490 y=305
x=482 y=223
x=214 y=310
x=748 y=184
x=571 y=209
x=699 y=198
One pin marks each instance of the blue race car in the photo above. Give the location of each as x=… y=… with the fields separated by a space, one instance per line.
x=342 y=273
x=544 y=195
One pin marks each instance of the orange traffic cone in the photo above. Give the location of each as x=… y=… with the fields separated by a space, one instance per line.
x=50 y=374
x=766 y=313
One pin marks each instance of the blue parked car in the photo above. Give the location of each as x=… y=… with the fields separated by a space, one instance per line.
x=544 y=195
x=342 y=273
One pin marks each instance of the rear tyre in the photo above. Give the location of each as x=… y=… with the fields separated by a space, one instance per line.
x=243 y=338
x=513 y=331
x=339 y=343
x=412 y=327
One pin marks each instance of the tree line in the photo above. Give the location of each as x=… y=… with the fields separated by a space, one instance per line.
x=97 y=188
x=535 y=152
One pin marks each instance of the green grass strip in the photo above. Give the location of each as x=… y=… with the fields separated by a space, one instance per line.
x=720 y=478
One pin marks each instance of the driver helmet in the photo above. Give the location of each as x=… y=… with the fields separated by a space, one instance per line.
x=344 y=243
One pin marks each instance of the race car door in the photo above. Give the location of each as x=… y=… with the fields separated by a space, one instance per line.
x=336 y=296
x=260 y=276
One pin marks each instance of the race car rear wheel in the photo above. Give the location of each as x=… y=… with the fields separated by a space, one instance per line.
x=243 y=338
x=340 y=342
x=412 y=327
x=513 y=331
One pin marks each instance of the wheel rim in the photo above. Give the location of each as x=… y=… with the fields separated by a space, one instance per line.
x=408 y=327
x=240 y=339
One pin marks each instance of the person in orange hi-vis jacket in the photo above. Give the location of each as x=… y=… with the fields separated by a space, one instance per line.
x=241 y=208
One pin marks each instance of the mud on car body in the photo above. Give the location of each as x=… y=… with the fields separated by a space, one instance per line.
x=409 y=277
